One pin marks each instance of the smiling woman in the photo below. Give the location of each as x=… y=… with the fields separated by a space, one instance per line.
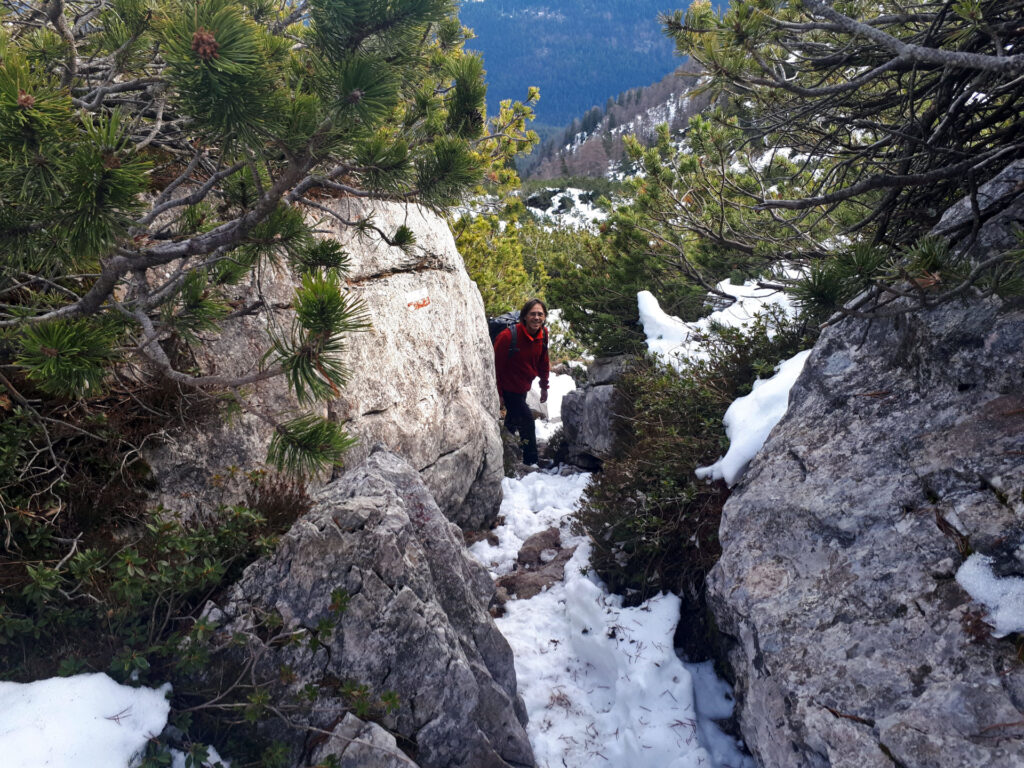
x=520 y=356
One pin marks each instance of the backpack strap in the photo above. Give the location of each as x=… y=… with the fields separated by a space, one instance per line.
x=513 y=348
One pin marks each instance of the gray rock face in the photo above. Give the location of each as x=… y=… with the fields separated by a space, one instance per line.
x=588 y=414
x=903 y=445
x=606 y=370
x=415 y=620
x=587 y=425
x=422 y=380
x=356 y=744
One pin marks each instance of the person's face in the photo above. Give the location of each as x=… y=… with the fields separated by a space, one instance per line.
x=535 y=318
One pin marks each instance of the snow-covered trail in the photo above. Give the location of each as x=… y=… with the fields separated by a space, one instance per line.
x=601 y=682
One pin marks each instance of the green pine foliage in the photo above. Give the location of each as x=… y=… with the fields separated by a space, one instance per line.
x=840 y=136
x=169 y=150
x=159 y=160
x=67 y=358
x=492 y=247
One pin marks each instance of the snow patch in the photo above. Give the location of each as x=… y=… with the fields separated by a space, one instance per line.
x=750 y=419
x=85 y=721
x=677 y=342
x=1004 y=598
x=601 y=682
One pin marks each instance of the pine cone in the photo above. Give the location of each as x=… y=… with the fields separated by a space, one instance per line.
x=205 y=44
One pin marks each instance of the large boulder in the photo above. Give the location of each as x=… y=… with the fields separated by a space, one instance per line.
x=383 y=581
x=901 y=452
x=588 y=414
x=422 y=378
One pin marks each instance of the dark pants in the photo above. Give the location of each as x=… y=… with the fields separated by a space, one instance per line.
x=519 y=419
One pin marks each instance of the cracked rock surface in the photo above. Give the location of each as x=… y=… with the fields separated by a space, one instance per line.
x=423 y=377
x=414 y=622
x=357 y=744
x=902 y=450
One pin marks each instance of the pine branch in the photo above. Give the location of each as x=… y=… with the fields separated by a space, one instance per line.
x=937 y=57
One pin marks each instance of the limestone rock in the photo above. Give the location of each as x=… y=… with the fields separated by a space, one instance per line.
x=414 y=620
x=422 y=380
x=588 y=414
x=587 y=419
x=903 y=445
x=606 y=370
x=357 y=744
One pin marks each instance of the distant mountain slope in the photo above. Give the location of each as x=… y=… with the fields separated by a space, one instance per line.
x=592 y=145
x=578 y=52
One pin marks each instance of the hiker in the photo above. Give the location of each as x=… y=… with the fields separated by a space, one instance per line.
x=520 y=356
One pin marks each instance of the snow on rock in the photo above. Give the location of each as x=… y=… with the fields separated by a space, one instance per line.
x=85 y=721
x=750 y=418
x=1004 y=597
x=537 y=502
x=559 y=385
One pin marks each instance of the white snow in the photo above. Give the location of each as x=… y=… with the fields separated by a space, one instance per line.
x=677 y=342
x=602 y=683
x=749 y=419
x=559 y=385
x=1003 y=597
x=85 y=721
x=213 y=760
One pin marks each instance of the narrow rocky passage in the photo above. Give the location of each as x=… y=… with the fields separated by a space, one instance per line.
x=602 y=683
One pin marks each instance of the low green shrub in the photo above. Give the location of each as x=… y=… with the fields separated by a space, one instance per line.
x=120 y=588
x=654 y=525
x=121 y=601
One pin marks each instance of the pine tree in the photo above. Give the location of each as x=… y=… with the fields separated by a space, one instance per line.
x=157 y=152
x=843 y=131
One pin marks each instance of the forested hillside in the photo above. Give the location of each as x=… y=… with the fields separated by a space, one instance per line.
x=592 y=145
x=578 y=52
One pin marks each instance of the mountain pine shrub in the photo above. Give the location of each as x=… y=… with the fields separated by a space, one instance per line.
x=158 y=153
x=842 y=132
x=158 y=159
x=653 y=524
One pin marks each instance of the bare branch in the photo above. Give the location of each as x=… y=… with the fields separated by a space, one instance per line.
x=938 y=57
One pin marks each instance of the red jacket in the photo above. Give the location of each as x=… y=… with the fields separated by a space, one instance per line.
x=516 y=373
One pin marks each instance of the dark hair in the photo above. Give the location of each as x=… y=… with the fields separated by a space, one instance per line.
x=530 y=305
